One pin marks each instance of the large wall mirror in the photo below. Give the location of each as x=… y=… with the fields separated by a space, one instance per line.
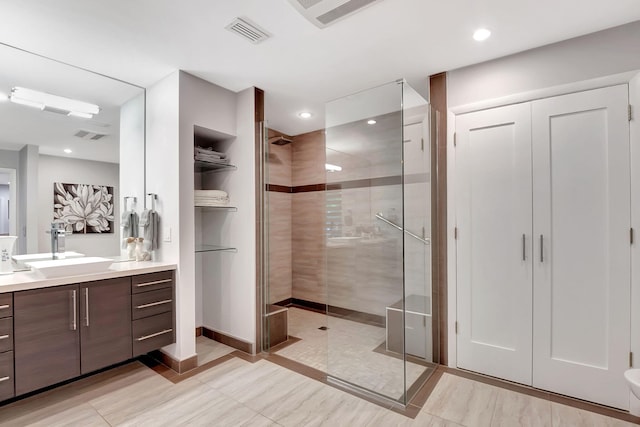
x=71 y=150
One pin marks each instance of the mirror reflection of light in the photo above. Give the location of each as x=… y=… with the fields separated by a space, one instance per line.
x=332 y=168
x=68 y=150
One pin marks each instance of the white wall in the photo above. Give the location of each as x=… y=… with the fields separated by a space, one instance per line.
x=132 y=163
x=607 y=52
x=5 y=196
x=27 y=200
x=53 y=169
x=162 y=178
x=229 y=279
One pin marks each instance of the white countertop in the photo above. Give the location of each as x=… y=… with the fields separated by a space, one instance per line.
x=25 y=280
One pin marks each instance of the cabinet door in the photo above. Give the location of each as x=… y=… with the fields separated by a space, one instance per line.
x=105 y=323
x=47 y=346
x=582 y=249
x=493 y=217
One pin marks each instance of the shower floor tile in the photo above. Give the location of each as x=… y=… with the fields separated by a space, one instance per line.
x=346 y=351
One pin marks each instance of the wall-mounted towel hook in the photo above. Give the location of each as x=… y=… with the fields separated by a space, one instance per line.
x=126 y=198
x=154 y=197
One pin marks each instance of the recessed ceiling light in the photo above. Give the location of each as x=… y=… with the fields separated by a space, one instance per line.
x=68 y=150
x=304 y=115
x=481 y=34
x=371 y=122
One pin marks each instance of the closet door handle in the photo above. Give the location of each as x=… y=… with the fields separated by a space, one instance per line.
x=524 y=248
x=541 y=248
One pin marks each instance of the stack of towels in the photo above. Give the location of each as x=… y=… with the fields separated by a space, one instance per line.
x=207 y=155
x=211 y=198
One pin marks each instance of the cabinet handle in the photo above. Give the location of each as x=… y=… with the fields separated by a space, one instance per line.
x=146 y=337
x=74 y=322
x=152 y=304
x=541 y=248
x=86 y=305
x=3 y=307
x=141 y=285
x=524 y=248
x=3 y=379
x=4 y=337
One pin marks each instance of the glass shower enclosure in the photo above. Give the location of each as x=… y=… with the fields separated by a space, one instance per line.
x=365 y=234
x=380 y=333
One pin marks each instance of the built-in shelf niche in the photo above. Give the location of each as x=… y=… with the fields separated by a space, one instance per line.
x=207 y=178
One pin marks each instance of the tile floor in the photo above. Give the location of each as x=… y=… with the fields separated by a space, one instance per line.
x=241 y=393
x=346 y=352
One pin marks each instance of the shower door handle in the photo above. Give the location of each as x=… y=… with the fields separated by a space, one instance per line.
x=541 y=248
x=524 y=248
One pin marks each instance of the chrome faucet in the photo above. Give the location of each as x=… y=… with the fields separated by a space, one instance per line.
x=57 y=240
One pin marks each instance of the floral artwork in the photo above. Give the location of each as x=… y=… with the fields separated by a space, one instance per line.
x=83 y=208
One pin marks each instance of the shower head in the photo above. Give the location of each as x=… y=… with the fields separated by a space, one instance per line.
x=279 y=140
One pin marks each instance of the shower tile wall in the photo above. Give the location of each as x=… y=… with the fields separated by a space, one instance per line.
x=308 y=209
x=280 y=226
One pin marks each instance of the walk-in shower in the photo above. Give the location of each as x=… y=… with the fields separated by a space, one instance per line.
x=348 y=226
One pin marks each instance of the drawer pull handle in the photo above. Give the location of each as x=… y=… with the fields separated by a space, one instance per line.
x=4 y=337
x=2 y=307
x=153 y=304
x=3 y=379
x=146 y=337
x=141 y=285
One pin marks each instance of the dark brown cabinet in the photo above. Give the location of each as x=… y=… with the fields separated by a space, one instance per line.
x=47 y=343
x=6 y=347
x=54 y=334
x=105 y=323
x=153 y=309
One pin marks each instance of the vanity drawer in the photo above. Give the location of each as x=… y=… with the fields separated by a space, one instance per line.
x=6 y=334
x=6 y=375
x=153 y=332
x=147 y=304
x=6 y=305
x=151 y=281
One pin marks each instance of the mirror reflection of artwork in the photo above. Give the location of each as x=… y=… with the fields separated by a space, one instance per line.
x=83 y=208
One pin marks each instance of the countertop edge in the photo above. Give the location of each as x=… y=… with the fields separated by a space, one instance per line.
x=23 y=281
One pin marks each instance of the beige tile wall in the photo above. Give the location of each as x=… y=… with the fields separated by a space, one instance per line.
x=308 y=159
x=279 y=222
x=308 y=246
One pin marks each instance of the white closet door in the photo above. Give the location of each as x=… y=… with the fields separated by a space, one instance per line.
x=582 y=269
x=493 y=185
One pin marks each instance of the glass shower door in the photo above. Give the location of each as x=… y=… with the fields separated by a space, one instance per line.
x=364 y=254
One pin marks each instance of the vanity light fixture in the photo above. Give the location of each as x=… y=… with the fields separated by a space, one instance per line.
x=304 y=115
x=332 y=168
x=53 y=103
x=371 y=122
x=481 y=34
x=68 y=150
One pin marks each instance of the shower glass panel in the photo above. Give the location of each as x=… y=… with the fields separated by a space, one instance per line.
x=377 y=229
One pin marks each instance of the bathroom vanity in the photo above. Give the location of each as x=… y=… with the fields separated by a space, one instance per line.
x=53 y=330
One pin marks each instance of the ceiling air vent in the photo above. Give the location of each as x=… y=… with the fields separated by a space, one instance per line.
x=323 y=13
x=248 y=30
x=89 y=135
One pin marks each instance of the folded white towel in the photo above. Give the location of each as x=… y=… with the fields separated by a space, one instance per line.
x=210 y=193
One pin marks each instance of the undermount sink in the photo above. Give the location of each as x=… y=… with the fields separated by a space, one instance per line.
x=21 y=260
x=70 y=266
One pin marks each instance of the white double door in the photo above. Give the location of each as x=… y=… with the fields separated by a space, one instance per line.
x=543 y=246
